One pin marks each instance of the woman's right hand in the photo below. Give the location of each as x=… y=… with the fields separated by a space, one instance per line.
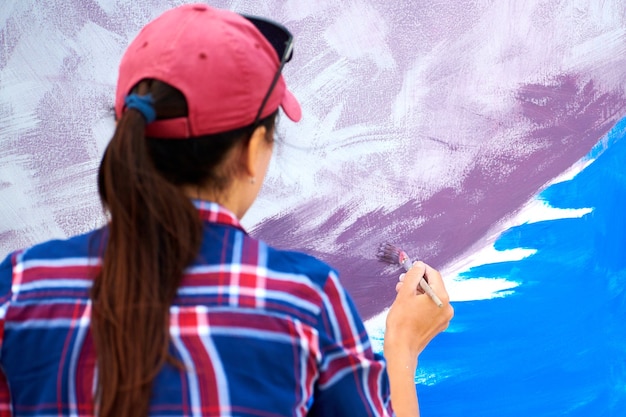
x=414 y=319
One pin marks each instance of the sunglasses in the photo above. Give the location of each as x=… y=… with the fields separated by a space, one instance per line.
x=282 y=42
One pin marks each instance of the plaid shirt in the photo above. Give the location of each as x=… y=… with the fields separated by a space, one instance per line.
x=261 y=332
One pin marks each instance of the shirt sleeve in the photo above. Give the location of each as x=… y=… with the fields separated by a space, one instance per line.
x=353 y=379
x=6 y=280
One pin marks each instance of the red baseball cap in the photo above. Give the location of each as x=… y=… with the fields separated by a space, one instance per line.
x=218 y=59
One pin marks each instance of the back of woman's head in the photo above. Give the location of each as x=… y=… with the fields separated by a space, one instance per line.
x=185 y=98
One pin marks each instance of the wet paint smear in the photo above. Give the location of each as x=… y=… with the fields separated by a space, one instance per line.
x=557 y=345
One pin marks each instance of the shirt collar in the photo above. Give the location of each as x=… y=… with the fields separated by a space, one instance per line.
x=214 y=213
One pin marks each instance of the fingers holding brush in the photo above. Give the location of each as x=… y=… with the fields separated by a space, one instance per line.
x=420 y=311
x=400 y=281
x=423 y=286
x=418 y=269
x=432 y=284
x=414 y=319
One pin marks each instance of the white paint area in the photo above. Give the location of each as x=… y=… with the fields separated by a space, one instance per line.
x=483 y=253
x=53 y=76
x=360 y=31
x=469 y=289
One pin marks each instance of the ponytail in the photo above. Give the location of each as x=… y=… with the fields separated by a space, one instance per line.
x=154 y=234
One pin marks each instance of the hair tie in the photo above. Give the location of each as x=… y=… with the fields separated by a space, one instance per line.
x=143 y=104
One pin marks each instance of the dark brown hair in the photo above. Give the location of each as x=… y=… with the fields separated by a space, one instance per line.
x=154 y=234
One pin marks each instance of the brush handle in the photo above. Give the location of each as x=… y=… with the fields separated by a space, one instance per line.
x=406 y=264
x=429 y=291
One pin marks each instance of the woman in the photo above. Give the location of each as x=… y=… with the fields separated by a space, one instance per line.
x=172 y=308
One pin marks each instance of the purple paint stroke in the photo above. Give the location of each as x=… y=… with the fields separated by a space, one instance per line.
x=569 y=116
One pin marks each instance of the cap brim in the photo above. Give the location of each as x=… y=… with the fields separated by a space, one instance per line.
x=291 y=107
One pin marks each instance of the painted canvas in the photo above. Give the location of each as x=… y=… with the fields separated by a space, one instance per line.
x=484 y=137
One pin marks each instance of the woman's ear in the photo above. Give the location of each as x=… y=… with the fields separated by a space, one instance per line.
x=253 y=151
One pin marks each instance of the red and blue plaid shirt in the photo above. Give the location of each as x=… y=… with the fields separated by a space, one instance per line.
x=261 y=332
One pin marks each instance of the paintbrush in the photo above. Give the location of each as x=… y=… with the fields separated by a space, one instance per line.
x=393 y=255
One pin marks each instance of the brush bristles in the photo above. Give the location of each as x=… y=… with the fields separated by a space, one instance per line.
x=388 y=253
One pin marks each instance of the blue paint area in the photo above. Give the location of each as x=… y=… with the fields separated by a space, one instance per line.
x=557 y=345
